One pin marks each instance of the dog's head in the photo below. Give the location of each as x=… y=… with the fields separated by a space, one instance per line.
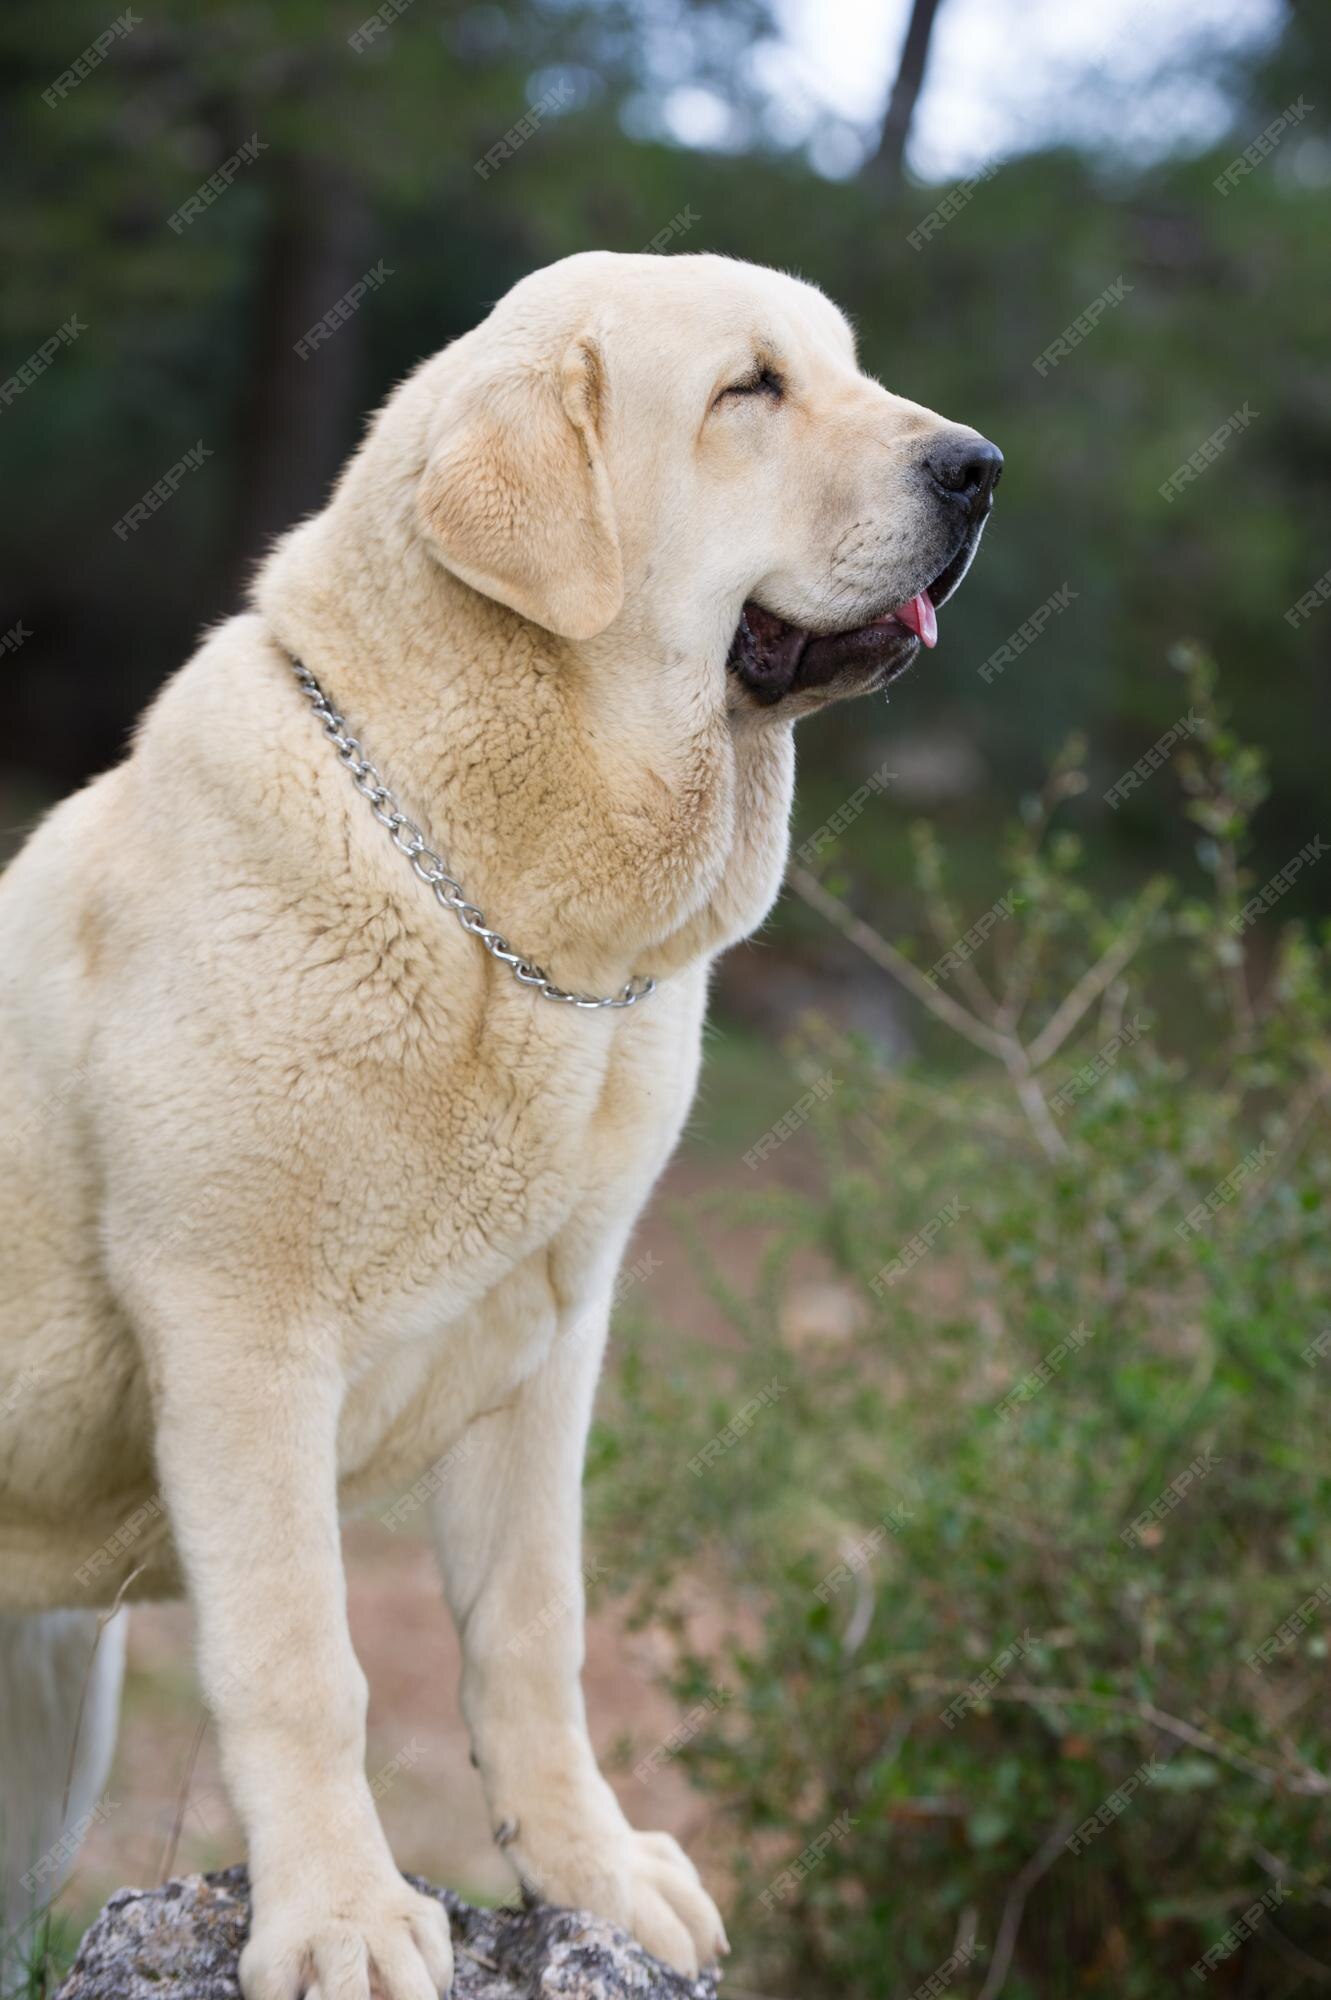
x=682 y=454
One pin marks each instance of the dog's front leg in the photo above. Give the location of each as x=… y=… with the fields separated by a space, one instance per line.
x=508 y=1527
x=247 y=1442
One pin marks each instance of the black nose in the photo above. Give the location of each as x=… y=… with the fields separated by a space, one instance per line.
x=965 y=471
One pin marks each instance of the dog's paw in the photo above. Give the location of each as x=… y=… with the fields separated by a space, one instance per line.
x=644 y=1882
x=380 y=1939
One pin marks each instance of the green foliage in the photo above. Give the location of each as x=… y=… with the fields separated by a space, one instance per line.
x=1067 y=1471
x=34 y=1963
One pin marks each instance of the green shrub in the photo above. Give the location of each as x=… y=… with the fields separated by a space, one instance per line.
x=1027 y=1573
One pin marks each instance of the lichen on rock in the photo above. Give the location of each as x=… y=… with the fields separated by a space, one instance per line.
x=183 y=1941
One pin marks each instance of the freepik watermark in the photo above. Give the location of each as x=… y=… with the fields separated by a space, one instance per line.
x=861 y=1552
x=431 y=1482
x=378 y=24
x=1312 y=600
x=1088 y=1074
x=1113 y=1808
x=1146 y=766
x=160 y=492
x=739 y=1426
x=1317 y=1350
x=41 y=358
x=1201 y=1215
x=216 y=184
x=682 y=1734
x=337 y=315
x=20 y=1134
x=384 y=1779
x=636 y=1273
x=236 y=1679
x=1290 y=1629
x=954 y=201
x=1083 y=325
x=11 y=640
x=92 y=58
x=785 y=1885
x=791 y=1121
x=1279 y=885
x=527 y=126
x=1140 y=1531
x=20 y=1389
x=1026 y=634
x=1207 y=453
x=554 y=1611
x=106 y=1557
x=182 y=1226
x=1038 y=1378
x=210 y=1809
x=977 y=1691
x=678 y=225
x=970 y=941
x=1262 y=146
x=942 y=1976
x=920 y=1244
x=845 y=815
x=68 y=1845
x=1242 y=1928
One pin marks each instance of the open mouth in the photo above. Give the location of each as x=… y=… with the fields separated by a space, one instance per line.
x=775 y=658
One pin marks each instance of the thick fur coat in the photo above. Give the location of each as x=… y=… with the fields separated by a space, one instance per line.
x=304 y=1194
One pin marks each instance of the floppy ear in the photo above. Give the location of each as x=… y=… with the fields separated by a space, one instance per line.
x=515 y=495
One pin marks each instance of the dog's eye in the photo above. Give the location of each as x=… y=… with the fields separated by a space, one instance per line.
x=763 y=381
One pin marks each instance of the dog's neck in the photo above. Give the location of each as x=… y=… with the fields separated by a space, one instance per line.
x=596 y=800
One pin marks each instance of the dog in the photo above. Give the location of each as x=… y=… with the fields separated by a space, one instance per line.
x=336 y=1070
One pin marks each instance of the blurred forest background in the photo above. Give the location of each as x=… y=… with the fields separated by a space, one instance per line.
x=758 y=127
x=973 y=180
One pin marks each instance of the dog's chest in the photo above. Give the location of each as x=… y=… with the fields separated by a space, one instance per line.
x=554 y=1116
x=527 y=1222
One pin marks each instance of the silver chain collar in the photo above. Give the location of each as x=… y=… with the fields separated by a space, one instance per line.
x=408 y=839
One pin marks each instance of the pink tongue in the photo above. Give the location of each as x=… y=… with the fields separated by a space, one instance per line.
x=920 y=615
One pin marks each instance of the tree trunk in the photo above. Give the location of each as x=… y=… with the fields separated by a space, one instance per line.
x=296 y=419
x=886 y=164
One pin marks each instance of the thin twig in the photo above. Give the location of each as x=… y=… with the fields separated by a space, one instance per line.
x=1009 y=1924
x=861 y=1617
x=1007 y=1048
x=968 y=1922
x=943 y=922
x=1111 y=1010
x=1018 y=1063
x=103 y=1621
x=1095 y=979
x=182 y=1799
x=893 y=961
x=1284 y=1873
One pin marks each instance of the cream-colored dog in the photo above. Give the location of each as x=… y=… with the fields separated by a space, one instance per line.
x=304 y=1194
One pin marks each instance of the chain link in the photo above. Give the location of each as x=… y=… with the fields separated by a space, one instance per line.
x=409 y=841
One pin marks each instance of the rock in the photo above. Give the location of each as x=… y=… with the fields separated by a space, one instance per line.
x=182 y=1942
